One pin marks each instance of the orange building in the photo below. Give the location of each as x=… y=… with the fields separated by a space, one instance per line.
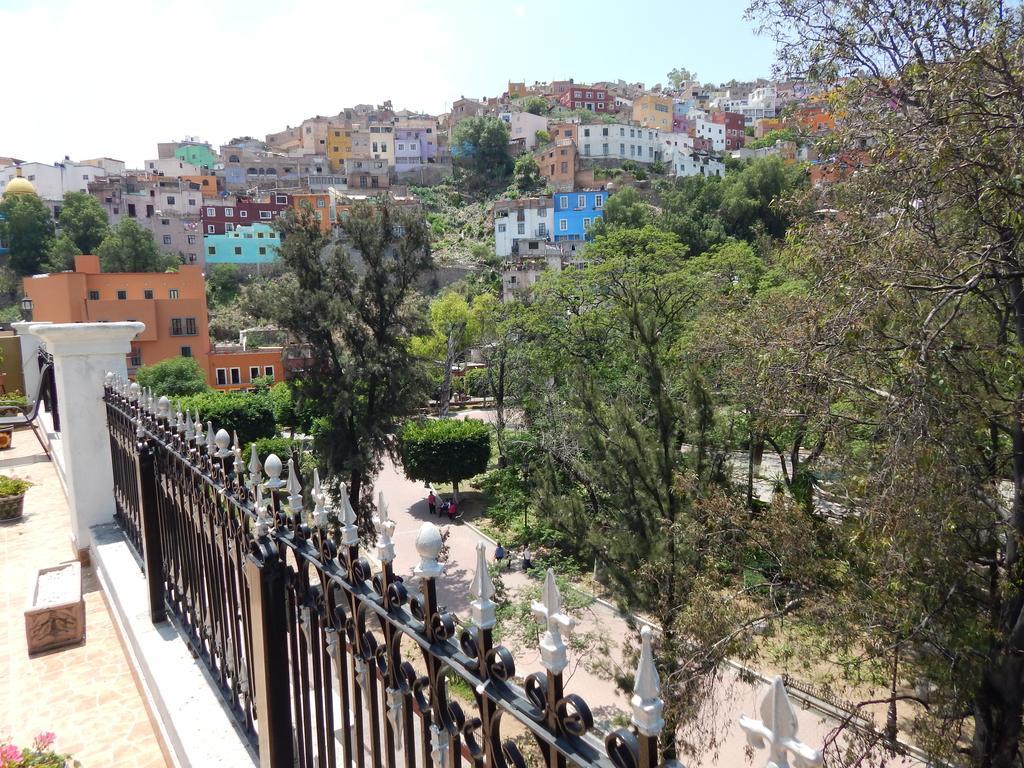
x=207 y=184
x=319 y=203
x=235 y=368
x=171 y=304
x=814 y=117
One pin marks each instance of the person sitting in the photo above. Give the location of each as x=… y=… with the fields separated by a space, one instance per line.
x=453 y=509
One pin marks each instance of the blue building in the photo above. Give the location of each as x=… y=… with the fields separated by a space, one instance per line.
x=575 y=212
x=249 y=244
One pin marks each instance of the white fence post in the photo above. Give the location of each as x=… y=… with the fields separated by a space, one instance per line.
x=82 y=355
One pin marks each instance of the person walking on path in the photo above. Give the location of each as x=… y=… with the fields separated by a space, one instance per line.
x=432 y=502
x=527 y=558
x=499 y=554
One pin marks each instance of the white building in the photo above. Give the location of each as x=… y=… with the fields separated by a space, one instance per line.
x=524 y=125
x=619 y=141
x=172 y=166
x=52 y=182
x=692 y=163
x=675 y=142
x=111 y=166
x=527 y=218
x=713 y=132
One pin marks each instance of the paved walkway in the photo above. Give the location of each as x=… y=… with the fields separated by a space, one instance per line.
x=85 y=694
x=408 y=508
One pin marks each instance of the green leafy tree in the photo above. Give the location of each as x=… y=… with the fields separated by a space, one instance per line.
x=536 y=105
x=454 y=327
x=444 y=450
x=250 y=415
x=479 y=147
x=543 y=137
x=680 y=75
x=626 y=208
x=130 y=248
x=223 y=282
x=526 y=175
x=174 y=377
x=27 y=228
x=916 y=283
x=359 y=326
x=83 y=221
x=60 y=254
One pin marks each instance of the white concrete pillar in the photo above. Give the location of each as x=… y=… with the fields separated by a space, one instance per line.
x=82 y=355
x=29 y=352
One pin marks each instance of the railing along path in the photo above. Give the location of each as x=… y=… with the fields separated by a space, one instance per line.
x=325 y=662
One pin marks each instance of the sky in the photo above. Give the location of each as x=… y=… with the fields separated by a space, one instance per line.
x=87 y=79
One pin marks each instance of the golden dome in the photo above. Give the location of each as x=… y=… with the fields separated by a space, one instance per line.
x=19 y=185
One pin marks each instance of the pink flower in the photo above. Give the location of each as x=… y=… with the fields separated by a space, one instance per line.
x=9 y=754
x=44 y=740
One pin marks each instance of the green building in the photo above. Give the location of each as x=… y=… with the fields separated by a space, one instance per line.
x=197 y=154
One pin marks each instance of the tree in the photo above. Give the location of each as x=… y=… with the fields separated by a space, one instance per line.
x=526 y=175
x=27 y=228
x=223 y=282
x=83 y=221
x=130 y=248
x=250 y=415
x=680 y=75
x=536 y=105
x=358 y=325
x=918 y=285
x=627 y=209
x=60 y=254
x=454 y=327
x=479 y=146
x=174 y=377
x=543 y=137
x=444 y=450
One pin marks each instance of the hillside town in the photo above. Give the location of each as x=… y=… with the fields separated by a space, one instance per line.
x=592 y=423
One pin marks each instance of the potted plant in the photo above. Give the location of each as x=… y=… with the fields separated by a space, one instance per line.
x=12 y=497
x=41 y=755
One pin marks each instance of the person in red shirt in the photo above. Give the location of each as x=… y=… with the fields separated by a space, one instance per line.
x=452 y=509
x=432 y=502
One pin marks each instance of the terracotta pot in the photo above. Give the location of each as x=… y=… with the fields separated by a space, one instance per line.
x=12 y=507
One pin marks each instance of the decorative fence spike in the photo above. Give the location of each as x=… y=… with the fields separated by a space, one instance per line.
x=319 y=510
x=190 y=432
x=393 y=701
x=439 y=746
x=483 y=590
x=133 y=391
x=179 y=423
x=777 y=727
x=646 y=701
x=255 y=468
x=273 y=467
x=549 y=613
x=163 y=407
x=211 y=439
x=223 y=442
x=294 y=489
x=428 y=546
x=385 y=528
x=108 y=379
x=263 y=520
x=349 y=531
x=200 y=435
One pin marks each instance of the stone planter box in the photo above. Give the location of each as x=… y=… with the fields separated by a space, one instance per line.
x=12 y=507
x=55 y=611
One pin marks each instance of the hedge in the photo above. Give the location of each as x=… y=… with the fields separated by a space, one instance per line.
x=250 y=414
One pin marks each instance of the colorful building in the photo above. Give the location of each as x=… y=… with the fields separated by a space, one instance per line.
x=587 y=97
x=339 y=147
x=653 y=111
x=734 y=124
x=575 y=212
x=557 y=163
x=521 y=219
x=207 y=184
x=619 y=141
x=319 y=203
x=224 y=217
x=245 y=244
x=200 y=155
x=814 y=117
x=171 y=304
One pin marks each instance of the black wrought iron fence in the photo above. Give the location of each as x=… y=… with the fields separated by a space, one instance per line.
x=49 y=386
x=324 y=660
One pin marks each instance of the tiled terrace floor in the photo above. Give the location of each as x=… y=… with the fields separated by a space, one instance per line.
x=85 y=694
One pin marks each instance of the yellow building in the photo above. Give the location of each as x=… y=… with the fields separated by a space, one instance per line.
x=653 y=111
x=339 y=147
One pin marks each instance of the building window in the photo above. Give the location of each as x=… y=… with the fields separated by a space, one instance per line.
x=165 y=222
x=229 y=212
x=170 y=199
x=236 y=375
x=263 y=250
x=563 y=225
x=501 y=227
x=238 y=250
x=176 y=327
x=268 y=371
x=190 y=326
x=222 y=377
x=542 y=212
x=148 y=293
x=604 y=148
x=604 y=131
x=521 y=228
x=586 y=150
x=167 y=239
x=254 y=372
x=191 y=201
x=265 y=215
x=281 y=199
x=229 y=227
x=186 y=351
x=173 y=293
x=320 y=202
x=565 y=201
x=622 y=149
x=586 y=131
x=565 y=167
x=259 y=235
x=210 y=229
x=586 y=224
x=243 y=214
x=581 y=201
x=94 y=295
x=191 y=239
x=135 y=357
x=122 y=295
